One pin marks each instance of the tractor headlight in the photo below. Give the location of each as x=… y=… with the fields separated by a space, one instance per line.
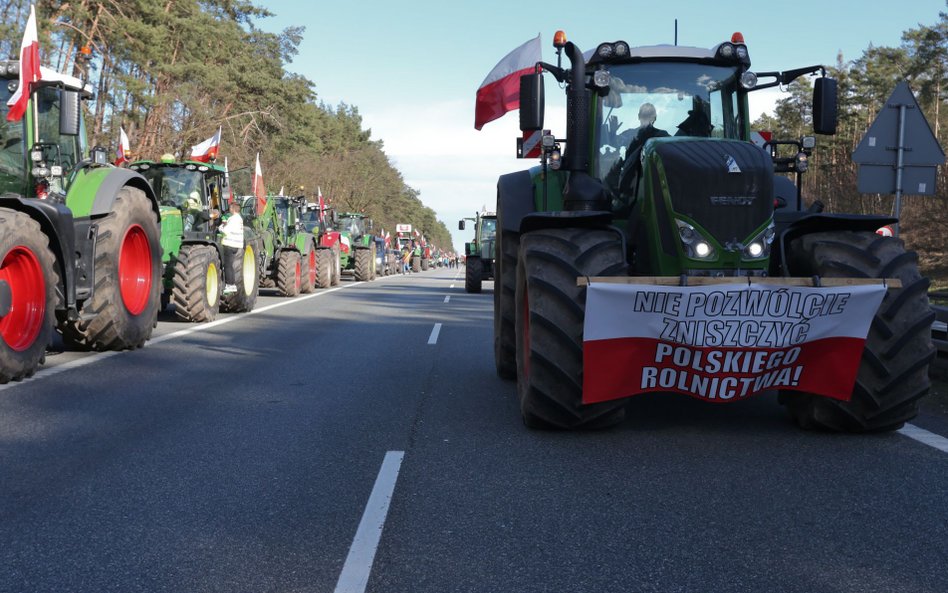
x=726 y=50
x=755 y=249
x=601 y=78
x=748 y=80
x=40 y=171
x=622 y=49
x=759 y=246
x=695 y=245
x=605 y=50
x=741 y=52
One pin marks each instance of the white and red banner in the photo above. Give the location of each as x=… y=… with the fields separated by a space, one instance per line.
x=29 y=69
x=122 y=153
x=724 y=342
x=258 y=189
x=206 y=151
x=761 y=138
x=402 y=228
x=500 y=91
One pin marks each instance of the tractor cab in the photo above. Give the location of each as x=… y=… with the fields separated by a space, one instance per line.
x=190 y=190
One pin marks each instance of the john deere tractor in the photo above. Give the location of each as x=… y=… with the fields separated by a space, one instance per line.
x=290 y=263
x=659 y=178
x=79 y=241
x=192 y=195
x=479 y=253
x=358 y=246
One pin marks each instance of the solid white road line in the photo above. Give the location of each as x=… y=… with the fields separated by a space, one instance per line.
x=923 y=436
x=433 y=338
x=447 y=298
x=93 y=358
x=355 y=572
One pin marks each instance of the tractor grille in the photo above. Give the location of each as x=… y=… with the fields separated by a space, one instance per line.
x=726 y=186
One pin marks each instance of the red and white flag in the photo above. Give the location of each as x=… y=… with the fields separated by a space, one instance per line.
x=500 y=91
x=724 y=343
x=121 y=154
x=258 y=189
x=206 y=151
x=29 y=69
x=322 y=204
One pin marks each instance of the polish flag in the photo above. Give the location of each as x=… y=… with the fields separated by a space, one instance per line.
x=258 y=189
x=724 y=343
x=206 y=151
x=121 y=155
x=500 y=91
x=29 y=69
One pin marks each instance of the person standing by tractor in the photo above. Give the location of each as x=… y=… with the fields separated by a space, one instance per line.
x=233 y=231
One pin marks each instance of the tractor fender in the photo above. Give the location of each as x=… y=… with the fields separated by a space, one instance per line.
x=791 y=225
x=114 y=180
x=56 y=221
x=514 y=199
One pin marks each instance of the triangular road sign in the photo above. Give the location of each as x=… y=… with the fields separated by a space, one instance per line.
x=881 y=143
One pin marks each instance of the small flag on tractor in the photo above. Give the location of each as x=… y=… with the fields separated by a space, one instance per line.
x=206 y=151
x=29 y=69
x=258 y=189
x=121 y=154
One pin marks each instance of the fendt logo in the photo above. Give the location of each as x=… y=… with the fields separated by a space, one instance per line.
x=731 y=164
x=732 y=200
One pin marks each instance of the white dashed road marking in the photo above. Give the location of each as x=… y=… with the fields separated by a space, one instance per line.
x=923 y=436
x=433 y=338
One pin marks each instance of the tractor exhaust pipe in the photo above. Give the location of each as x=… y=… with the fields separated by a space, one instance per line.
x=577 y=106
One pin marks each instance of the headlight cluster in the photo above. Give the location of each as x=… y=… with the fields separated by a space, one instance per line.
x=734 y=51
x=9 y=68
x=617 y=49
x=696 y=245
x=759 y=246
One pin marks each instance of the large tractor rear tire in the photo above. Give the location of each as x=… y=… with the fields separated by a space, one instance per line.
x=309 y=271
x=289 y=273
x=374 y=270
x=197 y=283
x=425 y=264
x=549 y=325
x=893 y=374
x=248 y=281
x=473 y=272
x=28 y=285
x=324 y=268
x=505 y=285
x=123 y=309
x=336 y=268
x=416 y=263
x=363 y=265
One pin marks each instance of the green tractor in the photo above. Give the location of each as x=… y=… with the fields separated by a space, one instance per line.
x=682 y=201
x=328 y=243
x=357 y=254
x=290 y=254
x=79 y=238
x=479 y=253
x=191 y=196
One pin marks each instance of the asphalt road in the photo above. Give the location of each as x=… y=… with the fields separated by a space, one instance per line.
x=344 y=441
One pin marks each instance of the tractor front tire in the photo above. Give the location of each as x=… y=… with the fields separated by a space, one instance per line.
x=27 y=266
x=197 y=282
x=550 y=310
x=416 y=263
x=473 y=272
x=289 y=273
x=505 y=285
x=893 y=373
x=336 y=268
x=248 y=281
x=123 y=308
x=324 y=268
x=363 y=265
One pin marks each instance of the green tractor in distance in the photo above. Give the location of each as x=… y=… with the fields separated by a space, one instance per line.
x=290 y=262
x=79 y=238
x=701 y=200
x=479 y=253
x=358 y=246
x=191 y=196
x=328 y=243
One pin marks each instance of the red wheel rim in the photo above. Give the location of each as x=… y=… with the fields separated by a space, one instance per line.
x=135 y=270
x=312 y=268
x=22 y=271
x=299 y=275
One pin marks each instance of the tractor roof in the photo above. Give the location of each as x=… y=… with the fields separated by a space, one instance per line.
x=193 y=165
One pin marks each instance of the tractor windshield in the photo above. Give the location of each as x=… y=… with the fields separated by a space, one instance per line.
x=310 y=219
x=654 y=99
x=12 y=156
x=488 y=229
x=353 y=225
x=176 y=186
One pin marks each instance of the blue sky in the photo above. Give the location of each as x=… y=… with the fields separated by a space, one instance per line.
x=412 y=68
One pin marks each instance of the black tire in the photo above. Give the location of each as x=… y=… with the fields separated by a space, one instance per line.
x=473 y=272
x=550 y=310
x=336 y=268
x=247 y=274
x=416 y=263
x=505 y=285
x=105 y=320
x=289 y=273
x=893 y=373
x=196 y=289
x=425 y=264
x=374 y=273
x=324 y=268
x=363 y=265
x=27 y=266
x=310 y=271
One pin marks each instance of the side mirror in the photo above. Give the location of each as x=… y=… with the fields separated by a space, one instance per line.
x=825 y=106
x=69 y=113
x=460 y=225
x=532 y=102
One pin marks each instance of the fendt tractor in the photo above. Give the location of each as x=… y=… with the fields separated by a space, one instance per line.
x=479 y=253
x=358 y=246
x=192 y=197
x=684 y=196
x=290 y=262
x=79 y=239
x=327 y=243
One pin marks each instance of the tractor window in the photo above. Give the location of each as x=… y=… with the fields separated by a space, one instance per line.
x=176 y=186
x=63 y=150
x=12 y=154
x=352 y=224
x=488 y=229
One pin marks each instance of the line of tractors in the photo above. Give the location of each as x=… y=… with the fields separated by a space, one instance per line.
x=96 y=251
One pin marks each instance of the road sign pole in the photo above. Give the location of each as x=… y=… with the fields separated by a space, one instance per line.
x=899 y=165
